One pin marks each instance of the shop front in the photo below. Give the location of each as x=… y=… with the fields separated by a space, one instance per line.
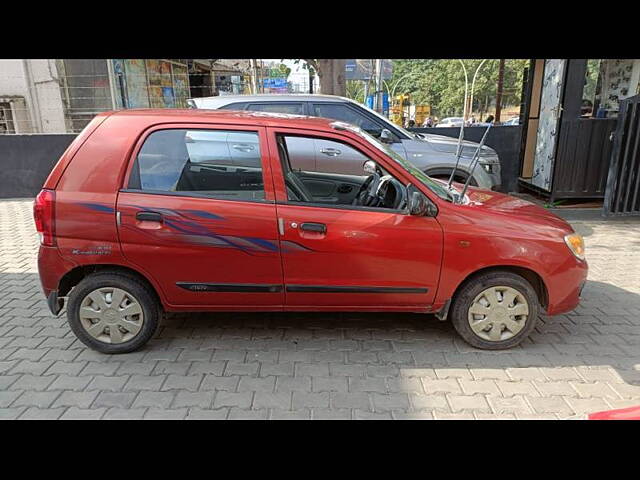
x=569 y=118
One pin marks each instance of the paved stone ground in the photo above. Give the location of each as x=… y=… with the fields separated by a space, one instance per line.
x=351 y=366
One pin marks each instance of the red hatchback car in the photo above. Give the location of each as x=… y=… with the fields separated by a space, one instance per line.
x=192 y=210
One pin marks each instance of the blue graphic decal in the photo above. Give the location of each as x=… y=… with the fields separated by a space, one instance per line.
x=99 y=207
x=203 y=214
x=184 y=228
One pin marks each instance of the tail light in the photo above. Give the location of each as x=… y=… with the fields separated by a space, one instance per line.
x=43 y=214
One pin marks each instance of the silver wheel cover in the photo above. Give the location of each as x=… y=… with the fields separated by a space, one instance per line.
x=111 y=315
x=498 y=313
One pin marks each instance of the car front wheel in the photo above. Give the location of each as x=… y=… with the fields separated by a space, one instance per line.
x=495 y=310
x=113 y=313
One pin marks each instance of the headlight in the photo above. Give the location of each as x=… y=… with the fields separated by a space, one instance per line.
x=576 y=244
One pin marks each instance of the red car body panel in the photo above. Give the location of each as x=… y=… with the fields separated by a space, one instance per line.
x=631 y=413
x=404 y=262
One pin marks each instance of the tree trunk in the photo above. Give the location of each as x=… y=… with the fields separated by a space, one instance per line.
x=331 y=74
x=499 y=91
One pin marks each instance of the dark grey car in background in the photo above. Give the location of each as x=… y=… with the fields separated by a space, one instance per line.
x=434 y=154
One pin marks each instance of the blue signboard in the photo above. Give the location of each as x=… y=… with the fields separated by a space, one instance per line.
x=274 y=82
x=385 y=103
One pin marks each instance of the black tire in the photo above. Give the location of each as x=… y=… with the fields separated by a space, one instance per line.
x=146 y=297
x=473 y=287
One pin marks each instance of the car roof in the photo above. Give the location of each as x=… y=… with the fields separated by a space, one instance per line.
x=228 y=116
x=222 y=100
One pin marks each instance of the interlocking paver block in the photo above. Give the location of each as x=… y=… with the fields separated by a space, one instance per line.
x=329 y=365
x=35 y=413
x=153 y=399
x=35 y=399
x=468 y=402
x=193 y=399
x=112 y=384
x=311 y=400
x=280 y=401
x=124 y=414
x=201 y=414
x=233 y=399
x=179 y=382
x=75 y=399
x=114 y=399
x=144 y=382
x=164 y=414
x=556 y=405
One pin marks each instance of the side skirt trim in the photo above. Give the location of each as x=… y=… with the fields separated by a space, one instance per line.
x=230 y=287
x=351 y=289
x=274 y=288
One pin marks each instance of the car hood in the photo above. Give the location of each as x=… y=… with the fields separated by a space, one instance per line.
x=444 y=144
x=512 y=209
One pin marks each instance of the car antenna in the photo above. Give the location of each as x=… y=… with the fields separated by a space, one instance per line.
x=474 y=162
x=464 y=114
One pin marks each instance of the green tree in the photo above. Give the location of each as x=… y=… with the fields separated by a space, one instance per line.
x=440 y=83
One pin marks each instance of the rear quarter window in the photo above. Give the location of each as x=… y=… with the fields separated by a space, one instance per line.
x=222 y=164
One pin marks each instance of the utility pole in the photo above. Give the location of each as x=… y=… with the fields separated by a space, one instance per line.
x=499 y=91
x=310 y=79
x=378 y=104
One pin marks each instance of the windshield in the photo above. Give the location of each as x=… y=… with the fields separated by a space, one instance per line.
x=386 y=121
x=427 y=181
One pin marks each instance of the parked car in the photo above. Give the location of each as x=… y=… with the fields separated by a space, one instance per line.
x=450 y=122
x=433 y=154
x=152 y=211
x=512 y=121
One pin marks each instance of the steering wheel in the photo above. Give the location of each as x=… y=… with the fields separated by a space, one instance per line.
x=400 y=192
x=366 y=196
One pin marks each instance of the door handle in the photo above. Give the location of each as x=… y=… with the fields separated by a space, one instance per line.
x=314 y=227
x=244 y=147
x=149 y=217
x=332 y=152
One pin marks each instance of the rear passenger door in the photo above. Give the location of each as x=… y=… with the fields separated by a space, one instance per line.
x=197 y=215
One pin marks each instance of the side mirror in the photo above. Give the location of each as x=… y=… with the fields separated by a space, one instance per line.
x=386 y=136
x=420 y=205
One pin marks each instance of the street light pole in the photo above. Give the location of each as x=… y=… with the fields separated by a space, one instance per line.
x=378 y=106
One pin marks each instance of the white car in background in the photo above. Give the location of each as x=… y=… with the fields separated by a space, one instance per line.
x=450 y=122
x=435 y=155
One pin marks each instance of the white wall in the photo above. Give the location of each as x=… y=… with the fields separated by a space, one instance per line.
x=36 y=81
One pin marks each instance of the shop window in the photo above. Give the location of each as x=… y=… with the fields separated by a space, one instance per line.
x=6 y=119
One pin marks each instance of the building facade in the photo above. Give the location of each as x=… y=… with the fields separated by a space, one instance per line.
x=58 y=96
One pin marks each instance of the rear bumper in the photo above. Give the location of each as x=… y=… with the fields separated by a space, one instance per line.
x=55 y=303
x=52 y=267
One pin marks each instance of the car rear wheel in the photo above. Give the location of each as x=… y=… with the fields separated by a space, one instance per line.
x=495 y=311
x=113 y=313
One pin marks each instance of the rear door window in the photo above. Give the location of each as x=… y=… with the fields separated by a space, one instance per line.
x=222 y=164
x=277 y=107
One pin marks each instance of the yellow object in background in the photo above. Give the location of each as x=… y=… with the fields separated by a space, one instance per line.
x=422 y=113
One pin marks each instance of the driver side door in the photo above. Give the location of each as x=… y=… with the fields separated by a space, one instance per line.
x=342 y=257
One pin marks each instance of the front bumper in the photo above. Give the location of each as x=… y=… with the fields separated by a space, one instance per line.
x=566 y=288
